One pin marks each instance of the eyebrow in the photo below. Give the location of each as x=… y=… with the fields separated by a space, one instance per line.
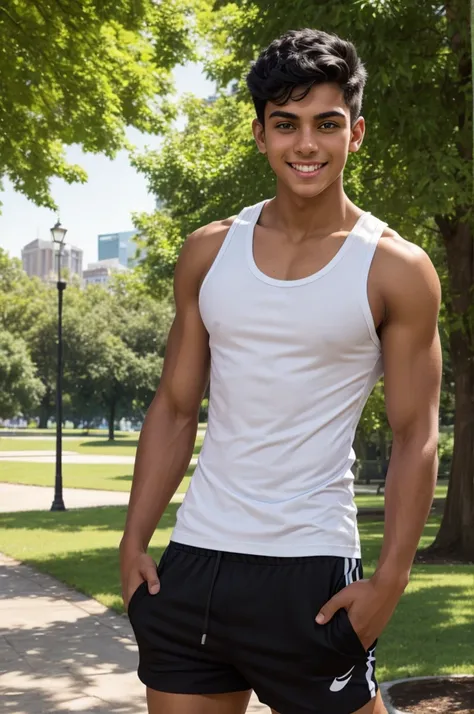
x=290 y=115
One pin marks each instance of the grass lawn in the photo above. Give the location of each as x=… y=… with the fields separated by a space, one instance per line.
x=431 y=632
x=368 y=500
x=125 y=445
x=106 y=477
x=115 y=477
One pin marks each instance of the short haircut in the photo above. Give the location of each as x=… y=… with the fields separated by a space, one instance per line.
x=301 y=59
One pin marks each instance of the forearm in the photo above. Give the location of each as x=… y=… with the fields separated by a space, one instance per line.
x=409 y=491
x=164 y=451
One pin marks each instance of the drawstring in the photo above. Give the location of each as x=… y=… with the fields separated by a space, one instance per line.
x=209 y=597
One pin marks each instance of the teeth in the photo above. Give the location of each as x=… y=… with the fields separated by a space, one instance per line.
x=307 y=169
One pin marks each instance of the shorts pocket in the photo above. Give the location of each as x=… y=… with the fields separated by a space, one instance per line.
x=142 y=591
x=161 y=564
x=138 y=595
x=346 y=638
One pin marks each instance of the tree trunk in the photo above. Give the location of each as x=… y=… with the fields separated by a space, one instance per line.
x=112 y=421
x=456 y=535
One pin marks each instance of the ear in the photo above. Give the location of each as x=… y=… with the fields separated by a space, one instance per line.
x=259 y=136
x=357 y=135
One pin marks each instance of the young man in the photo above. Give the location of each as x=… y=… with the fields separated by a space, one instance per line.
x=295 y=307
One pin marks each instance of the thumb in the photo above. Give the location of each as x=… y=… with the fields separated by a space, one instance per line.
x=327 y=611
x=151 y=577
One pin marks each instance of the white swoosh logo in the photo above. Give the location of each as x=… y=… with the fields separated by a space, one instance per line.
x=340 y=682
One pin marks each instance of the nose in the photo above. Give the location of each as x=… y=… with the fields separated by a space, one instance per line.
x=306 y=144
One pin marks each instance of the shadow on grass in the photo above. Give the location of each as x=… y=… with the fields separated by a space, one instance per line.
x=425 y=636
x=125 y=477
x=129 y=477
x=432 y=629
x=431 y=632
x=94 y=572
x=106 y=443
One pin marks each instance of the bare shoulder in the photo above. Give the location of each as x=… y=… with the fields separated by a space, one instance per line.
x=209 y=237
x=405 y=275
x=199 y=251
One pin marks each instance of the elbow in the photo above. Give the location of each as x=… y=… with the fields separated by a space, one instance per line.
x=422 y=442
x=170 y=406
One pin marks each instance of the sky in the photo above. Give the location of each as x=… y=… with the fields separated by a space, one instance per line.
x=104 y=204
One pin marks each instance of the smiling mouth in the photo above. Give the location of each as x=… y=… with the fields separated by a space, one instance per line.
x=307 y=169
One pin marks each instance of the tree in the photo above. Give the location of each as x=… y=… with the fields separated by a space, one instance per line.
x=414 y=170
x=79 y=73
x=115 y=352
x=20 y=389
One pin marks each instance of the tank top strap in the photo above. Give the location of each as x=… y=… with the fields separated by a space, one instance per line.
x=233 y=247
x=368 y=233
x=250 y=214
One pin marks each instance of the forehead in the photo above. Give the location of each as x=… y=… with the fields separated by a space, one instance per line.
x=320 y=98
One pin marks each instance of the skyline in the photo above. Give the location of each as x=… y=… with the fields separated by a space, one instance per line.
x=102 y=205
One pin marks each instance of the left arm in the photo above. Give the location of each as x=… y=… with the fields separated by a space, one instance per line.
x=412 y=377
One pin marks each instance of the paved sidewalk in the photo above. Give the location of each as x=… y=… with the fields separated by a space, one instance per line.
x=62 y=652
x=69 y=457
x=18 y=497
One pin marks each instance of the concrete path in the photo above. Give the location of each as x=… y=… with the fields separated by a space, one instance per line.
x=62 y=652
x=80 y=437
x=18 y=497
x=21 y=497
x=69 y=457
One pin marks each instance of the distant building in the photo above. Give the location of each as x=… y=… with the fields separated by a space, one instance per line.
x=100 y=273
x=120 y=246
x=40 y=258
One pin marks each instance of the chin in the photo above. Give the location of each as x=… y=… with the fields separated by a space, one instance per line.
x=304 y=191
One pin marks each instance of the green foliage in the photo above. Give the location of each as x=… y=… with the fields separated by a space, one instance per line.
x=404 y=173
x=374 y=418
x=113 y=344
x=20 y=389
x=417 y=160
x=206 y=172
x=79 y=73
x=415 y=164
x=445 y=451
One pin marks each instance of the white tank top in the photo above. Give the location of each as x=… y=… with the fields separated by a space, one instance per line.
x=292 y=365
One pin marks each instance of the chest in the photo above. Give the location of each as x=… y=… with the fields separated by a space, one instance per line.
x=281 y=259
x=318 y=320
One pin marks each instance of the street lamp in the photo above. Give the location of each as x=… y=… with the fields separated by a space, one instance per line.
x=59 y=233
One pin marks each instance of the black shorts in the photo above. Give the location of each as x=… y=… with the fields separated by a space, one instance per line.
x=227 y=622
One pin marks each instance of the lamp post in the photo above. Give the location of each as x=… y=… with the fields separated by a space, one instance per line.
x=58 y=233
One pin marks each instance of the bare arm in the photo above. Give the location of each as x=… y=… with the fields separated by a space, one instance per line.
x=412 y=368
x=169 y=430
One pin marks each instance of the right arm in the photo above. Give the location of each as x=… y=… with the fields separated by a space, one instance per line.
x=169 y=430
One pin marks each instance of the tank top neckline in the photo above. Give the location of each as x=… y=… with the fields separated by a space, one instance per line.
x=299 y=281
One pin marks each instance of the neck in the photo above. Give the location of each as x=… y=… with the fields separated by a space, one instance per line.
x=328 y=212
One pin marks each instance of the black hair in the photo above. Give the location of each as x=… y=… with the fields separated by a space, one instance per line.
x=304 y=58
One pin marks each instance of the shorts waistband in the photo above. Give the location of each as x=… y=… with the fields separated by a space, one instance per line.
x=256 y=559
